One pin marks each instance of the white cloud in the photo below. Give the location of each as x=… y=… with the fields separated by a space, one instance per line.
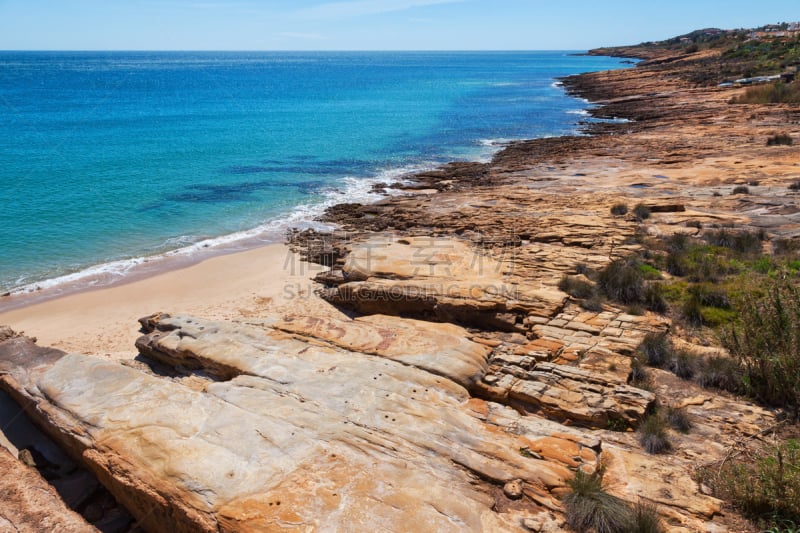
x=357 y=8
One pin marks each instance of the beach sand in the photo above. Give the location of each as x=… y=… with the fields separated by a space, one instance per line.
x=264 y=282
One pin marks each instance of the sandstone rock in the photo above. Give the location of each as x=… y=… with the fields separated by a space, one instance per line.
x=444 y=277
x=28 y=503
x=300 y=435
x=513 y=489
x=6 y=333
x=441 y=349
x=570 y=393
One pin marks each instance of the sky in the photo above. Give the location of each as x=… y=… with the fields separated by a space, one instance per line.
x=367 y=24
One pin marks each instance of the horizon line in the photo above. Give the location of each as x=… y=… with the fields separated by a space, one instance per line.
x=297 y=50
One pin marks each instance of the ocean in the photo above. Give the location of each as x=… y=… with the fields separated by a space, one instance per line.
x=109 y=160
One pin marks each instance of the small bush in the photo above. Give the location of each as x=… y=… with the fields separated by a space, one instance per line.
x=645 y=518
x=741 y=189
x=692 y=312
x=785 y=246
x=679 y=420
x=622 y=281
x=683 y=365
x=719 y=372
x=744 y=242
x=619 y=210
x=641 y=212
x=638 y=377
x=794 y=186
x=656 y=349
x=765 y=488
x=590 y=508
x=653 y=434
x=654 y=298
x=694 y=224
x=766 y=344
x=780 y=140
x=712 y=296
x=775 y=93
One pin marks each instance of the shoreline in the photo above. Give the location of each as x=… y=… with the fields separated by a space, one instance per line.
x=551 y=376
x=103 y=275
x=258 y=282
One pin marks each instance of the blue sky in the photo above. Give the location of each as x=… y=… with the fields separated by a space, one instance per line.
x=366 y=24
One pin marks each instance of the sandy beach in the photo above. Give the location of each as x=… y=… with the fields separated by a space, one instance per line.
x=265 y=281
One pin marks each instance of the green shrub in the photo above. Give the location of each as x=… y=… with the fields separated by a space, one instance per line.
x=775 y=93
x=590 y=508
x=656 y=349
x=710 y=295
x=679 y=419
x=679 y=242
x=780 y=139
x=619 y=209
x=654 y=298
x=622 y=281
x=692 y=312
x=645 y=518
x=653 y=434
x=649 y=271
x=639 y=377
x=785 y=246
x=745 y=242
x=766 y=345
x=765 y=488
x=719 y=372
x=683 y=365
x=641 y=212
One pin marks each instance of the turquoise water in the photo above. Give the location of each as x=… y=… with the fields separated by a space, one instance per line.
x=106 y=158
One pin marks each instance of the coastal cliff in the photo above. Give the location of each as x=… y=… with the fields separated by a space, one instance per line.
x=449 y=378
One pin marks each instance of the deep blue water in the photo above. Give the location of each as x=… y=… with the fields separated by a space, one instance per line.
x=112 y=156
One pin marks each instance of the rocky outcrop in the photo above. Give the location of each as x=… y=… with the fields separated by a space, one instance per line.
x=31 y=504
x=275 y=438
x=570 y=394
x=437 y=277
x=402 y=419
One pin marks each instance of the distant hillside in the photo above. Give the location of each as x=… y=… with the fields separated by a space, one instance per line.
x=713 y=55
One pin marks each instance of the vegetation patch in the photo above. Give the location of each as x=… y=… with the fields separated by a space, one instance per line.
x=764 y=486
x=589 y=507
x=641 y=212
x=679 y=419
x=619 y=209
x=653 y=434
x=624 y=281
x=774 y=93
x=765 y=341
x=781 y=139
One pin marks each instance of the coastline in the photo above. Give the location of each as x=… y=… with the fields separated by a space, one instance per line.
x=264 y=281
x=551 y=378
x=363 y=190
